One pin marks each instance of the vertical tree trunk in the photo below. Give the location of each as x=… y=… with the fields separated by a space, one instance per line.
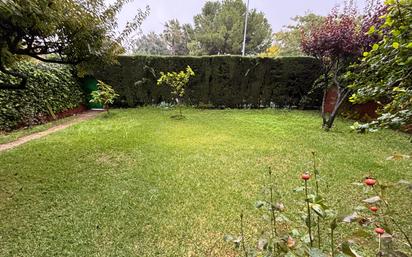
x=324 y=118
x=343 y=93
x=325 y=92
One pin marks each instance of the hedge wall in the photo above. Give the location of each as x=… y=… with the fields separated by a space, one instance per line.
x=221 y=81
x=51 y=89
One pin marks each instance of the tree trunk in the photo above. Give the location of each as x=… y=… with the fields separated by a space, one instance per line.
x=324 y=119
x=343 y=93
x=325 y=91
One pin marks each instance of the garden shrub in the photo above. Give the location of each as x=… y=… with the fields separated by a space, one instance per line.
x=221 y=81
x=323 y=230
x=51 y=89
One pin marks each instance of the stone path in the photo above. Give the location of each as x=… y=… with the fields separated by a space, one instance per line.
x=22 y=140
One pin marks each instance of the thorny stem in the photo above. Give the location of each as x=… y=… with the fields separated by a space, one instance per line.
x=272 y=209
x=317 y=193
x=402 y=231
x=309 y=216
x=379 y=247
x=242 y=234
x=314 y=171
x=319 y=243
x=332 y=242
x=274 y=225
x=394 y=221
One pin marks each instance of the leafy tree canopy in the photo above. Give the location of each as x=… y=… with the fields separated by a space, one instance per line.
x=177 y=37
x=219 y=29
x=151 y=44
x=289 y=39
x=271 y=52
x=80 y=32
x=337 y=42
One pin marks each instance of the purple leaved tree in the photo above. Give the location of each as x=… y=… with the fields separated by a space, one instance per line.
x=337 y=42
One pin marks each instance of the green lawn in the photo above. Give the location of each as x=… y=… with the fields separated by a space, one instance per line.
x=138 y=183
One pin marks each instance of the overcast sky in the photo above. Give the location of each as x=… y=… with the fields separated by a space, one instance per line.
x=278 y=12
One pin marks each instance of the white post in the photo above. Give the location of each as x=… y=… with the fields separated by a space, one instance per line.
x=245 y=31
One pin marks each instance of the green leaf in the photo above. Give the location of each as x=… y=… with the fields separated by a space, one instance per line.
x=350 y=218
x=371 y=30
x=318 y=209
x=315 y=252
x=346 y=249
x=260 y=204
x=299 y=189
x=375 y=47
x=395 y=32
x=373 y=199
x=395 y=45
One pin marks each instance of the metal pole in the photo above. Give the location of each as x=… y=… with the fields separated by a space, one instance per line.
x=245 y=31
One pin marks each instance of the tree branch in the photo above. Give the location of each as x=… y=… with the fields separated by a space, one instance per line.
x=59 y=61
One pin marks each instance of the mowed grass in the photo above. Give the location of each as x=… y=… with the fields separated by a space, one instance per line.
x=7 y=137
x=138 y=183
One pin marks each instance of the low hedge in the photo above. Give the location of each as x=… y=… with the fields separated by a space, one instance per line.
x=51 y=89
x=221 y=81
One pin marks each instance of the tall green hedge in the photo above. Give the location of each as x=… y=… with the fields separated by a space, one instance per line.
x=221 y=81
x=51 y=88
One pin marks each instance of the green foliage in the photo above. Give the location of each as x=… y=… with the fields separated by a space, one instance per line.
x=219 y=29
x=362 y=128
x=282 y=238
x=271 y=52
x=105 y=94
x=176 y=37
x=385 y=73
x=50 y=89
x=177 y=81
x=289 y=38
x=150 y=44
x=221 y=81
x=80 y=32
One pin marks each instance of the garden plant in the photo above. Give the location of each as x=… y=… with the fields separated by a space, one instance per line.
x=384 y=73
x=284 y=238
x=177 y=81
x=104 y=95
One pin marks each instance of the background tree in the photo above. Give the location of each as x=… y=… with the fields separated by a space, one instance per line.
x=78 y=32
x=272 y=51
x=385 y=73
x=176 y=37
x=151 y=44
x=219 y=29
x=336 y=43
x=290 y=37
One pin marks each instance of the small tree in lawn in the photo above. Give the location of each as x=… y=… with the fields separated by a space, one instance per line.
x=178 y=81
x=337 y=42
x=104 y=95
